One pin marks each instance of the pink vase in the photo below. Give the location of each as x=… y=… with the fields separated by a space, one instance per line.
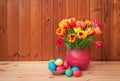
x=78 y=57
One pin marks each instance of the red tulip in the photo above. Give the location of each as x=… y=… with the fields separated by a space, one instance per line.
x=98 y=44
x=72 y=22
x=59 y=41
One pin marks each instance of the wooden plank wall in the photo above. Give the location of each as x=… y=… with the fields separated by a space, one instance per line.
x=27 y=27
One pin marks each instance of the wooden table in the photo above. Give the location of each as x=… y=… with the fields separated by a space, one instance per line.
x=38 y=71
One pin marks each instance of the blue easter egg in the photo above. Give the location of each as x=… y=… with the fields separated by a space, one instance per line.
x=74 y=68
x=52 y=66
x=50 y=61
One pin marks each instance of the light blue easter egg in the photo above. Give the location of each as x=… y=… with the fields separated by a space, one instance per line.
x=74 y=68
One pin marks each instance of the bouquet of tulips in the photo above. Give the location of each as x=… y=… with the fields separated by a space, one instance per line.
x=78 y=34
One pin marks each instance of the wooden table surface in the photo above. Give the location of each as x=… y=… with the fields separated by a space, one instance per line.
x=38 y=71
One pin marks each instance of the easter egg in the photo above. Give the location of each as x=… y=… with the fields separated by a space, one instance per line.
x=68 y=72
x=77 y=73
x=59 y=62
x=59 y=68
x=65 y=64
x=59 y=59
x=50 y=61
x=75 y=68
x=52 y=66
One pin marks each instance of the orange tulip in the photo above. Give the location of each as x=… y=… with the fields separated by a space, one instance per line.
x=97 y=31
x=89 y=23
x=60 y=31
x=78 y=23
x=82 y=24
x=72 y=38
x=90 y=31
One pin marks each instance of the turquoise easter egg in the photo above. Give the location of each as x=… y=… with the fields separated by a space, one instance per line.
x=74 y=68
x=52 y=66
x=50 y=61
x=68 y=72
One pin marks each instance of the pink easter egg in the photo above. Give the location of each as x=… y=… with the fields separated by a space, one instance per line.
x=77 y=73
x=65 y=65
x=59 y=68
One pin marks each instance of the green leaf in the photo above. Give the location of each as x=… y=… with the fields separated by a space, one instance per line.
x=86 y=42
x=72 y=30
x=67 y=43
x=68 y=46
x=69 y=31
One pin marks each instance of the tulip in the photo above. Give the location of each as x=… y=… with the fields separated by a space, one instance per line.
x=78 y=23
x=89 y=23
x=97 y=24
x=77 y=29
x=60 y=31
x=82 y=24
x=82 y=34
x=90 y=31
x=98 y=44
x=59 y=42
x=97 y=31
x=72 y=22
x=72 y=38
x=63 y=24
x=100 y=26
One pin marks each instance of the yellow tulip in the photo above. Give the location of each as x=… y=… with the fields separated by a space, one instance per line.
x=82 y=34
x=78 y=29
x=64 y=24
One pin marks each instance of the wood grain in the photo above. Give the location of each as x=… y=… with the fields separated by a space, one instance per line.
x=107 y=21
x=35 y=30
x=95 y=14
x=27 y=27
x=57 y=9
x=38 y=71
x=83 y=9
x=47 y=29
x=24 y=29
x=3 y=30
x=72 y=8
x=12 y=27
x=62 y=12
x=115 y=54
x=60 y=9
